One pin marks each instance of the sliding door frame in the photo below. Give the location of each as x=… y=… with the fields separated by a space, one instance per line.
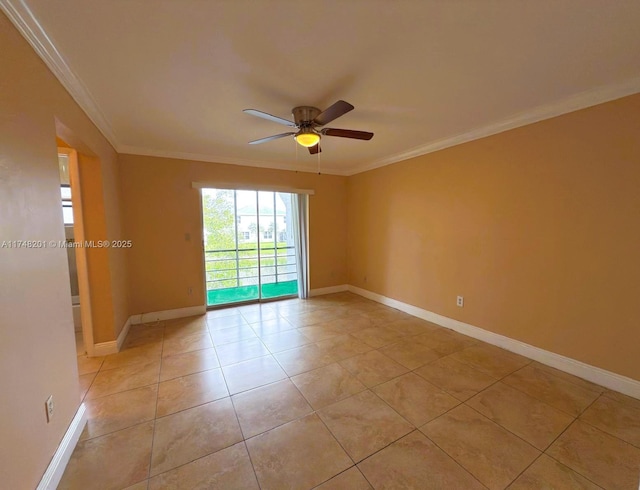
x=199 y=186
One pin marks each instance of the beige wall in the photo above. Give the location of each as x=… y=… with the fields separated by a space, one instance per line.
x=102 y=222
x=538 y=228
x=95 y=229
x=37 y=347
x=161 y=207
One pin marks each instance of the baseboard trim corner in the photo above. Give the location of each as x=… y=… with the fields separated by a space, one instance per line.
x=58 y=464
x=105 y=348
x=123 y=333
x=328 y=290
x=602 y=377
x=156 y=316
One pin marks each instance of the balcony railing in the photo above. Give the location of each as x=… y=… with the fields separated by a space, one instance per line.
x=238 y=268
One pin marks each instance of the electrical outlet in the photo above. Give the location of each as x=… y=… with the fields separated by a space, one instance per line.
x=49 y=408
x=460 y=301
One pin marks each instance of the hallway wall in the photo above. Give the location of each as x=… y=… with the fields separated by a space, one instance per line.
x=37 y=345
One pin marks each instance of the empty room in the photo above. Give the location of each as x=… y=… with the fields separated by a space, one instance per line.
x=350 y=244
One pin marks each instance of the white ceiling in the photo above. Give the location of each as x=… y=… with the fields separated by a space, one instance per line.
x=171 y=77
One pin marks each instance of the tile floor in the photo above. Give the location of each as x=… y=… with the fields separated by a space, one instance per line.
x=338 y=392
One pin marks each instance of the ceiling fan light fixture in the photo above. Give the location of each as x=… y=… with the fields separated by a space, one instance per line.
x=307 y=121
x=307 y=138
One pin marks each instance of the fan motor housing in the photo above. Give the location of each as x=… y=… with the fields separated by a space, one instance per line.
x=304 y=115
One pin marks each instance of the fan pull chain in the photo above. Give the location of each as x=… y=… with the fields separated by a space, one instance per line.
x=318 y=161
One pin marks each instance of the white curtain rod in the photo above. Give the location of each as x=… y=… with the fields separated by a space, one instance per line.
x=251 y=187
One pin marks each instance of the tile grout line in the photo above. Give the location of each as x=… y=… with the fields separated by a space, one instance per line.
x=338 y=474
x=542 y=451
x=235 y=412
x=560 y=462
x=315 y=412
x=182 y=465
x=155 y=412
x=84 y=396
x=579 y=417
x=118 y=392
x=253 y=468
x=572 y=469
x=560 y=435
x=528 y=394
x=436 y=444
x=491 y=421
x=550 y=370
x=320 y=418
x=336 y=361
x=367 y=388
x=244 y=441
x=272 y=383
x=244 y=438
x=450 y=456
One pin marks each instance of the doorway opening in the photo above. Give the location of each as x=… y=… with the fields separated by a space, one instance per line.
x=251 y=252
x=72 y=216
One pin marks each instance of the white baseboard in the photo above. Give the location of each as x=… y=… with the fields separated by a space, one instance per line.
x=113 y=346
x=123 y=333
x=58 y=463
x=105 y=348
x=602 y=377
x=156 y=316
x=328 y=290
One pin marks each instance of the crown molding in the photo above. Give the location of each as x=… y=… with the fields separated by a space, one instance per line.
x=23 y=19
x=26 y=23
x=547 y=111
x=299 y=167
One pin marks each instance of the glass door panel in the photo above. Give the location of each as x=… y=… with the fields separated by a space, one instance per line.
x=231 y=259
x=278 y=257
x=249 y=246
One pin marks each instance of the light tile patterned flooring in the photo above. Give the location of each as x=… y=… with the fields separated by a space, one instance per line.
x=338 y=392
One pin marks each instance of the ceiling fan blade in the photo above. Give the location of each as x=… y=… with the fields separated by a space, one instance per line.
x=270 y=138
x=347 y=133
x=338 y=109
x=269 y=117
x=315 y=149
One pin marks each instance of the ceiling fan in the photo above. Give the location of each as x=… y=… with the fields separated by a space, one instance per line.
x=307 y=120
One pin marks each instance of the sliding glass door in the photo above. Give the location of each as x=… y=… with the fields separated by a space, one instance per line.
x=250 y=252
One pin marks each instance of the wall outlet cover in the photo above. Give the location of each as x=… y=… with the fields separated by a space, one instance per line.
x=49 y=408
